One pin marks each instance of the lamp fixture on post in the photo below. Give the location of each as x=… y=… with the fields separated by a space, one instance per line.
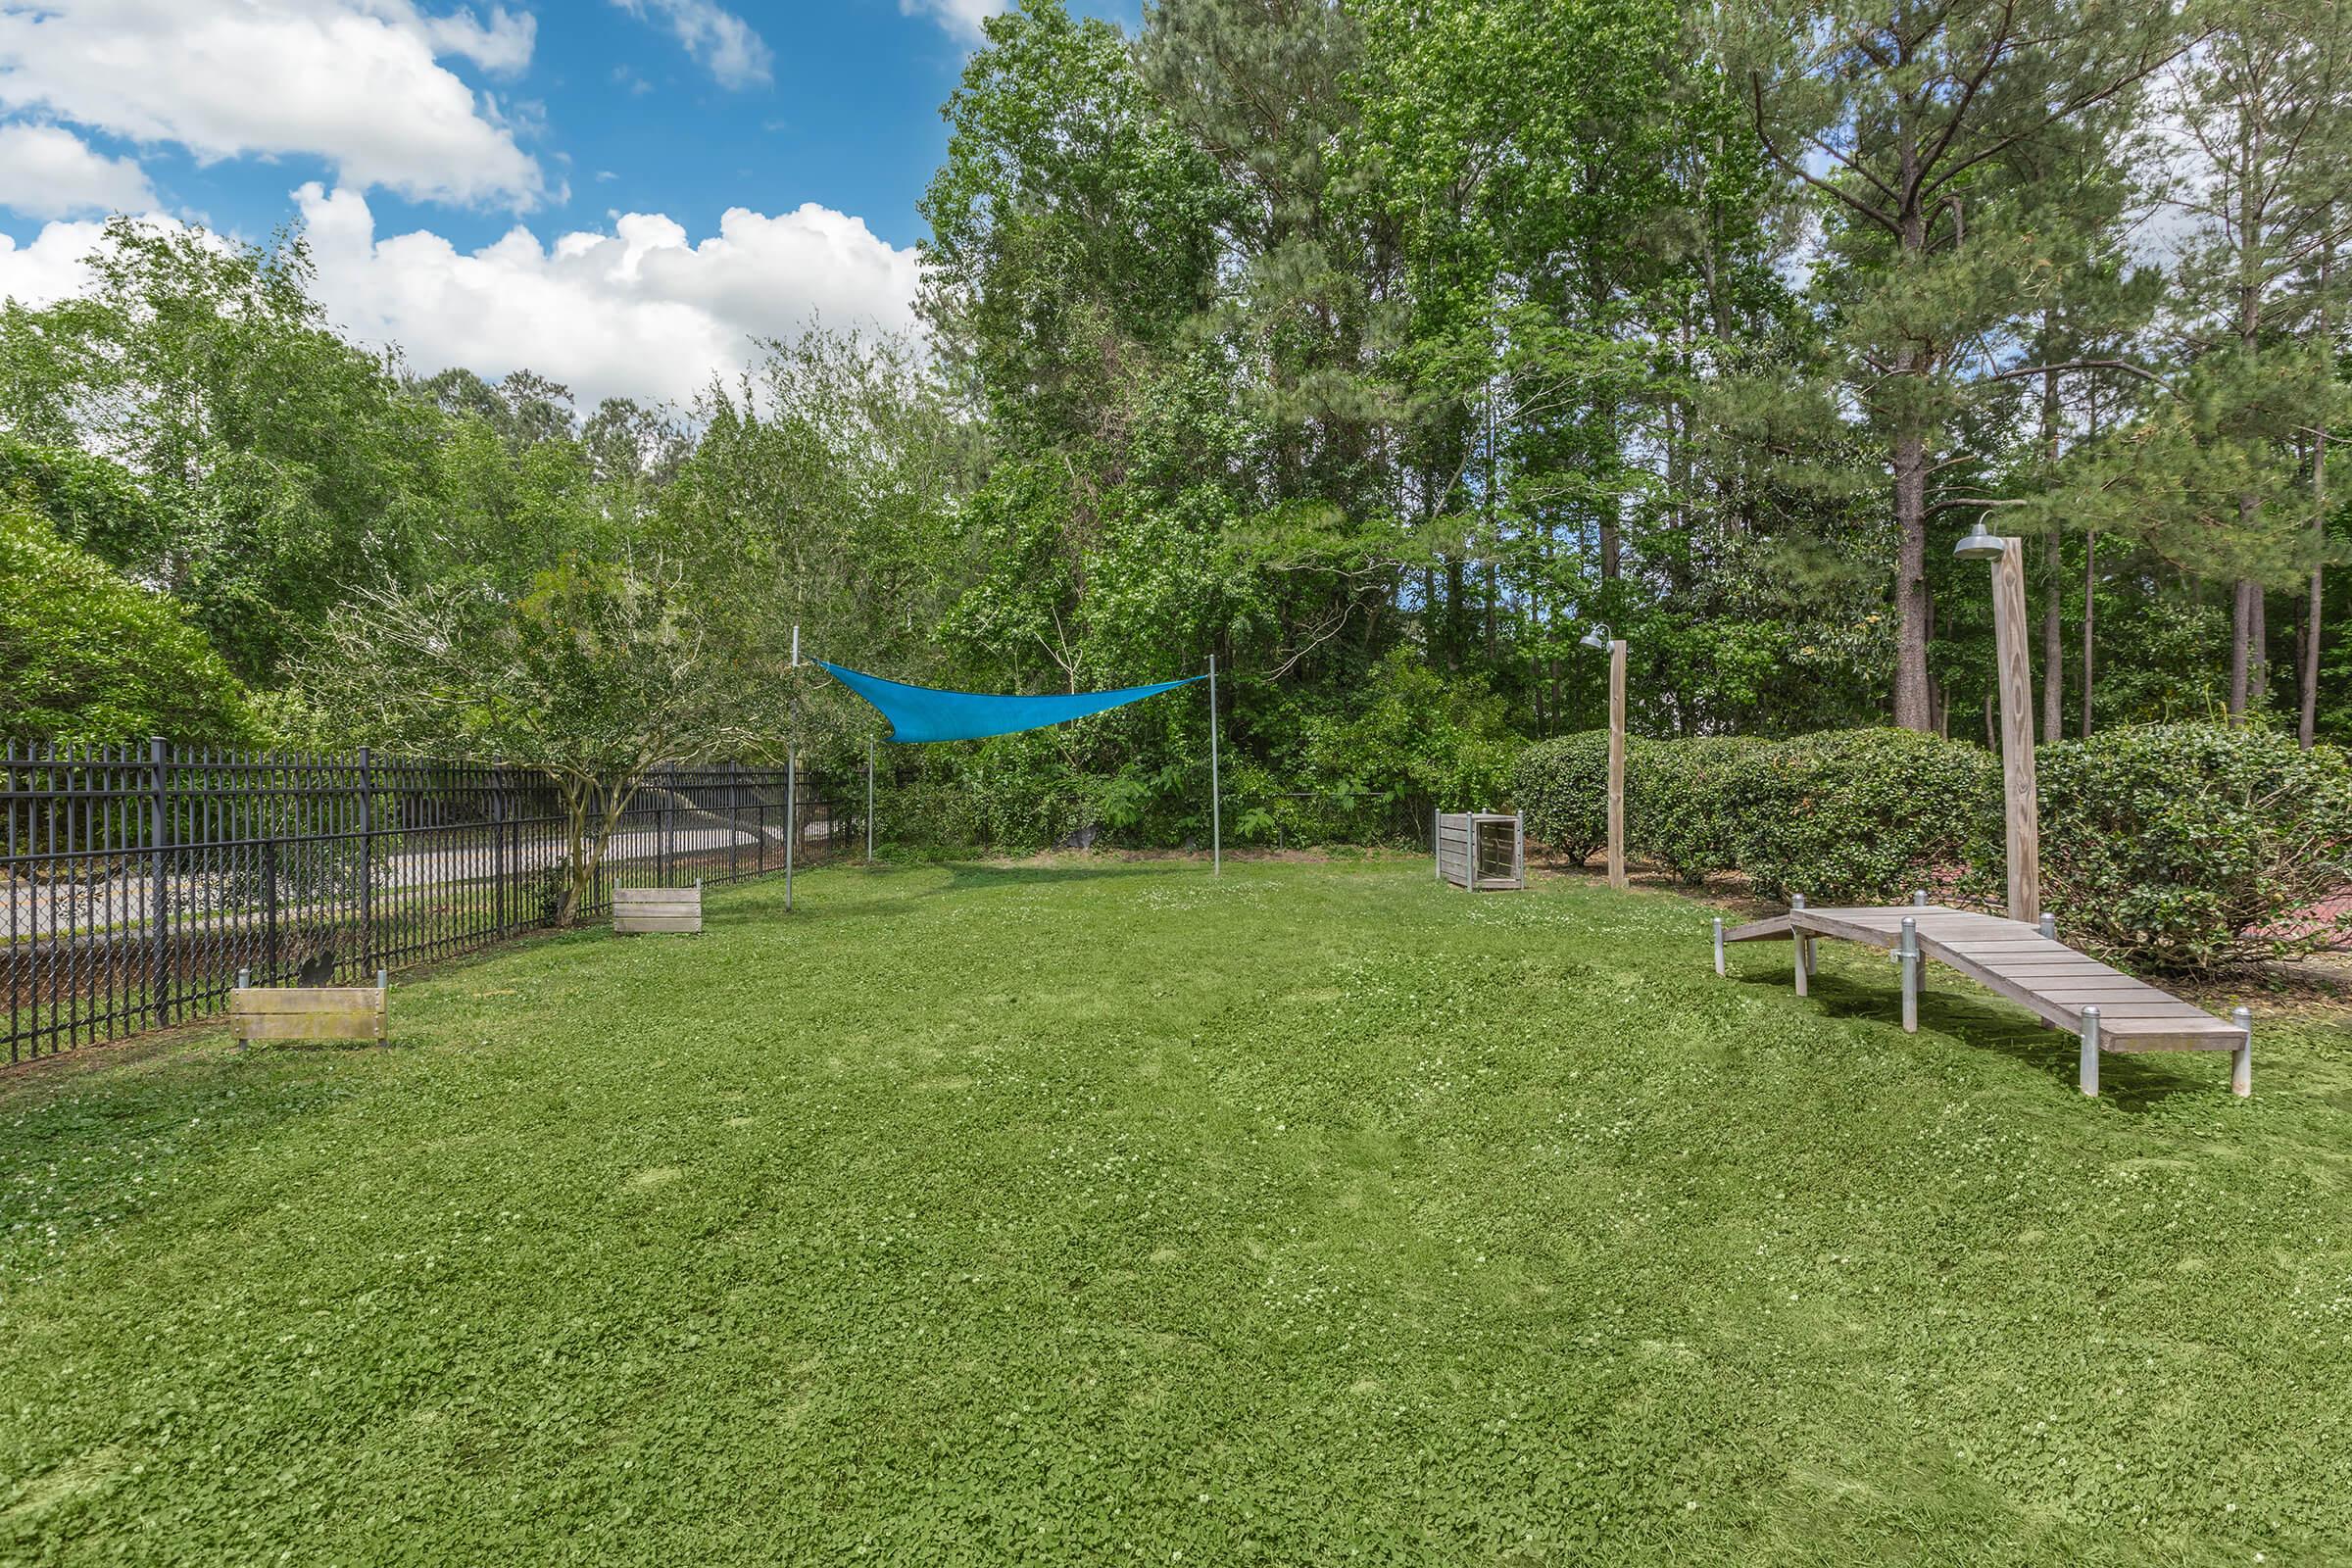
x=1980 y=545
x=2016 y=674
x=1598 y=640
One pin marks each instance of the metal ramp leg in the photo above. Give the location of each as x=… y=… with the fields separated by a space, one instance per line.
x=1906 y=955
x=2241 y=1060
x=2090 y=1052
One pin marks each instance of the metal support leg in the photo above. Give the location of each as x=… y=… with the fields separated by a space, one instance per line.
x=2241 y=1060
x=1907 y=955
x=1919 y=897
x=2049 y=927
x=2090 y=1078
x=1719 y=947
x=1801 y=946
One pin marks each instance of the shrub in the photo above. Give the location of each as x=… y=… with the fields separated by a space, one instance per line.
x=1862 y=815
x=2167 y=847
x=1561 y=787
x=1418 y=743
x=1847 y=815
x=1689 y=803
x=2194 y=846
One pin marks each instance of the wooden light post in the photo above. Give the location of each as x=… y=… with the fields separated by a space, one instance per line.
x=2008 y=556
x=1597 y=639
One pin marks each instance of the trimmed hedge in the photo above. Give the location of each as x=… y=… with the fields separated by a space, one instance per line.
x=2168 y=846
x=1843 y=816
x=2194 y=846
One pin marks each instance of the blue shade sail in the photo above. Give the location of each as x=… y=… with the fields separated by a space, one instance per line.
x=924 y=713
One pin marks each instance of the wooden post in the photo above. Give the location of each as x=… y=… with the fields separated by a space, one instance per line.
x=2241 y=1060
x=2017 y=732
x=1617 y=764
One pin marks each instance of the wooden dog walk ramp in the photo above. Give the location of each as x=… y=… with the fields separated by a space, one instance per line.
x=2104 y=1007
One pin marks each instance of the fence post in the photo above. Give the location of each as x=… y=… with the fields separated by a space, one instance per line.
x=734 y=814
x=669 y=827
x=270 y=909
x=366 y=855
x=497 y=841
x=158 y=895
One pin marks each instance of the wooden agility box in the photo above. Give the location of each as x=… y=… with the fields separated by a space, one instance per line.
x=310 y=1012
x=1484 y=852
x=639 y=911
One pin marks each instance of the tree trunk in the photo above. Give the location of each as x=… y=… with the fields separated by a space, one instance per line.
x=1911 y=583
x=2053 y=629
x=2243 y=620
x=2241 y=639
x=2258 y=646
x=2090 y=582
x=2307 y=725
x=2053 y=647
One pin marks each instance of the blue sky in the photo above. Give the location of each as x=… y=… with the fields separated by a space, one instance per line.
x=525 y=181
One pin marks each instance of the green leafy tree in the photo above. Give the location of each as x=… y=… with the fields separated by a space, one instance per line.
x=86 y=656
x=1898 y=122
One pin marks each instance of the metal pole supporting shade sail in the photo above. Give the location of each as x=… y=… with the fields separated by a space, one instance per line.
x=919 y=714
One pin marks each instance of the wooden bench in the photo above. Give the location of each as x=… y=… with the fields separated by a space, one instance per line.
x=2106 y=1009
x=308 y=1012
x=637 y=911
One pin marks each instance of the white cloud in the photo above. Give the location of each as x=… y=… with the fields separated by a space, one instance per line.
x=355 y=82
x=637 y=311
x=50 y=267
x=720 y=41
x=503 y=44
x=634 y=312
x=48 y=171
x=961 y=17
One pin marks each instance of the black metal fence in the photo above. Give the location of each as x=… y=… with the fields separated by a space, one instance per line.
x=136 y=881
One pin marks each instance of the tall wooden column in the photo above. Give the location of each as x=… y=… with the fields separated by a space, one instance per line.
x=1617 y=764
x=2009 y=630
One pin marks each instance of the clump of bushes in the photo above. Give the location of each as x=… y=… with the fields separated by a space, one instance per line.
x=2168 y=847
x=2194 y=846
x=1845 y=816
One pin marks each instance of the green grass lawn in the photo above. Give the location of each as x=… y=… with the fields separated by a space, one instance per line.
x=1101 y=1212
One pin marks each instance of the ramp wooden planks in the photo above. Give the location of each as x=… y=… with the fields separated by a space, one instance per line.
x=2103 y=1005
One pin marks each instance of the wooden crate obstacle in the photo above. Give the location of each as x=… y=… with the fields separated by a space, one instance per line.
x=638 y=912
x=2105 y=1008
x=308 y=1012
x=1484 y=852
